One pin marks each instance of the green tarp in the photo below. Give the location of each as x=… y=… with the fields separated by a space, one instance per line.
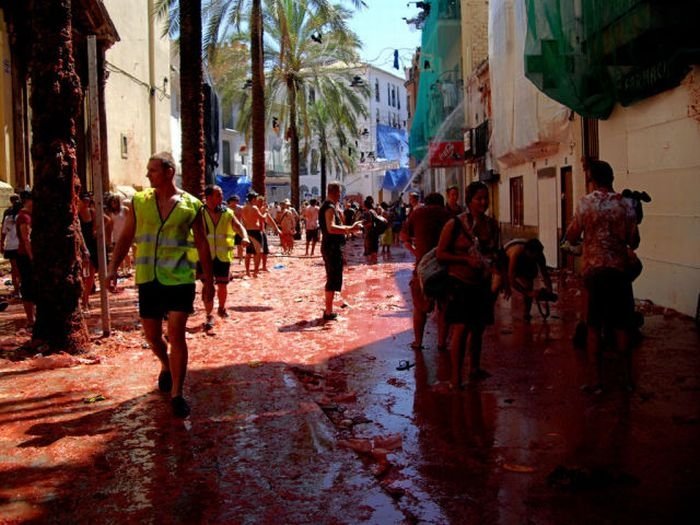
x=591 y=54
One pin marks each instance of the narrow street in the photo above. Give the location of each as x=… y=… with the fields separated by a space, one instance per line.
x=299 y=421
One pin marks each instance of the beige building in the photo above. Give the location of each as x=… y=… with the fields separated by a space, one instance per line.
x=653 y=146
x=7 y=163
x=137 y=92
x=134 y=98
x=535 y=141
x=88 y=18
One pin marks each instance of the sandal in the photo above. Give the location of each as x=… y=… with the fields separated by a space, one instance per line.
x=330 y=317
x=405 y=365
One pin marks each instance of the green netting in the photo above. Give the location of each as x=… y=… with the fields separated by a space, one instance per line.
x=591 y=54
x=439 y=89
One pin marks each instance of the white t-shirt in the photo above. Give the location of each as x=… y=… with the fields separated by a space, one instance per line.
x=9 y=230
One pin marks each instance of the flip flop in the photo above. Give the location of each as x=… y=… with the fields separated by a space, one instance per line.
x=405 y=365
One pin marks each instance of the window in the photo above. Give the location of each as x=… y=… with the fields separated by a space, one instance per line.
x=388 y=94
x=376 y=89
x=398 y=100
x=393 y=97
x=516 y=201
x=377 y=115
x=226 y=154
x=312 y=95
x=124 y=145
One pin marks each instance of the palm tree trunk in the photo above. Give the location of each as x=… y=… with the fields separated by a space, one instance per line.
x=56 y=99
x=293 y=141
x=258 y=96
x=192 y=101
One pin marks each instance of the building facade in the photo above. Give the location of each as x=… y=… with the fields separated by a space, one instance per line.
x=137 y=93
x=382 y=141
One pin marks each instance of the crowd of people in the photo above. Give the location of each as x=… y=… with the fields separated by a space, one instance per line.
x=179 y=239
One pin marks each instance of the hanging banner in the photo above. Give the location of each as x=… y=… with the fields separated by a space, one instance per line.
x=446 y=154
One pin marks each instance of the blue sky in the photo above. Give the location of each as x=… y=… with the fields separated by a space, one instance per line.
x=381 y=29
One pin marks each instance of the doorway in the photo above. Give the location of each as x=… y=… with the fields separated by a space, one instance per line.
x=547 y=213
x=567 y=213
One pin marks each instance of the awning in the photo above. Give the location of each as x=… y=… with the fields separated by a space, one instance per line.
x=234 y=186
x=396 y=179
x=392 y=144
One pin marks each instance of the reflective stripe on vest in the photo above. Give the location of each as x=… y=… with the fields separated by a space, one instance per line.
x=220 y=237
x=165 y=248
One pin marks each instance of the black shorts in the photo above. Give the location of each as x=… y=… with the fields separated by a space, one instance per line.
x=11 y=254
x=610 y=299
x=371 y=243
x=333 y=261
x=470 y=304
x=26 y=277
x=156 y=299
x=219 y=269
x=258 y=243
x=312 y=235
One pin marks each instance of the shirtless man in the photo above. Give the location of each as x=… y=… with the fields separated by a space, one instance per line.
x=310 y=214
x=254 y=220
x=269 y=221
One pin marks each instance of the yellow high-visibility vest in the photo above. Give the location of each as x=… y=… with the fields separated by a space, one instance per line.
x=165 y=247
x=220 y=236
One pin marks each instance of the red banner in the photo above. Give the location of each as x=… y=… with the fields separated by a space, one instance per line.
x=446 y=154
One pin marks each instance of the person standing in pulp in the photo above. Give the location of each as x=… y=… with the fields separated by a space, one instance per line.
x=332 y=241
x=310 y=214
x=221 y=225
x=608 y=223
x=419 y=234
x=9 y=241
x=25 y=256
x=164 y=222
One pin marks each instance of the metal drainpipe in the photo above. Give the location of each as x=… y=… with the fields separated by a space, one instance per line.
x=152 y=74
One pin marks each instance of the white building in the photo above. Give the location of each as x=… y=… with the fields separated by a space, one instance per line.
x=387 y=106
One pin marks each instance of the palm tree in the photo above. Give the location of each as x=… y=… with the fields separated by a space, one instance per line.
x=192 y=96
x=306 y=45
x=56 y=97
x=224 y=14
x=184 y=20
x=332 y=122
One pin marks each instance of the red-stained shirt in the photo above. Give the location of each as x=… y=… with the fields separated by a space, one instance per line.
x=424 y=225
x=23 y=217
x=609 y=227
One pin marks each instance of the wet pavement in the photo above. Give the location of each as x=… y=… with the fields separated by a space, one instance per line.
x=299 y=421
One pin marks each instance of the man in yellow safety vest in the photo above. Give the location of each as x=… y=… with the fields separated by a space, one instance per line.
x=166 y=224
x=221 y=225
